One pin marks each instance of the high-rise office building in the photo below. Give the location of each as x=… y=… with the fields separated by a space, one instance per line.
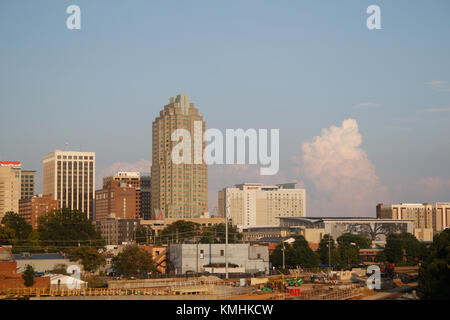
x=69 y=177
x=27 y=177
x=132 y=179
x=178 y=190
x=146 y=196
x=255 y=204
x=10 y=187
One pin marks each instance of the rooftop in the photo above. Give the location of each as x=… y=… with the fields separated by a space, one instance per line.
x=38 y=256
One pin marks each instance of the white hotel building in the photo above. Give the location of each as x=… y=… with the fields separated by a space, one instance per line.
x=69 y=177
x=255 y=204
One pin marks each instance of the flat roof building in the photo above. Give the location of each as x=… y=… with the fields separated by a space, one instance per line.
x=69 y=177
x=116 y=200
x=10 y=187
x=27 y=183
x=256 y=204
x=374 y=229
x=432 y=216
x=243 y=257
x=32 y=208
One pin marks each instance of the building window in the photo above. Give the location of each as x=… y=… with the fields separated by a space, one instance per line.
x=222 y=253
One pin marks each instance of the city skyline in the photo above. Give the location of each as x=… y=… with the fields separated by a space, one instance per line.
x=380 y=98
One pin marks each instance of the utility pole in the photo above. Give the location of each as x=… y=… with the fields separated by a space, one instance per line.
x=284 y=267
x=196 y=270
x=226 y=235
x=329 y=255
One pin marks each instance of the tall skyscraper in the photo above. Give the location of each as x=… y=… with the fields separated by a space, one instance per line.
x=10 y=187
x=69 y=177
x=27 y=177
x=178 y=190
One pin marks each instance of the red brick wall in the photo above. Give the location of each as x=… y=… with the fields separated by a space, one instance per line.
x=8 y=268
x=16 y=281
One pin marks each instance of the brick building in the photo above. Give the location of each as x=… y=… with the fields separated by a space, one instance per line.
x=116 y=200
x=9 y=278
x=117 y=231
x=132 y=179
x=32 y=208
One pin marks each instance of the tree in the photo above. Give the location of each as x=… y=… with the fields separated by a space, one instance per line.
x=216 y=234
x=349 y=238
x=348 y=254
x=297 y=254
x=402 y=244
x=179 y=231
x=349 y=246
x=28 y=276
x=60 y=268
x=142 y=233
x=380 y=257
x=393 y=249
x=68 y=228
x=434 y=273
x=326 y=241
x=289 y=256
x=89 y=258
x=15 y=222
x=133 y=262
x=304 y=256
x=7 y=236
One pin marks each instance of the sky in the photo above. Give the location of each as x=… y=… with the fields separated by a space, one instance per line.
x=364 y=115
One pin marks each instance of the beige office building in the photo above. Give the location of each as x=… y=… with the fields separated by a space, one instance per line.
x=178 y=190
x=10 y=187
x=429 y=218
x=69 y=177
x=255 y=204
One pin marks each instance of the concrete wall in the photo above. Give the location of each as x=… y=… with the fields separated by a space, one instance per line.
x=192 y=257
x=43 y=265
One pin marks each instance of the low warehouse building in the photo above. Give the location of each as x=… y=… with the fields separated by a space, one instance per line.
x=243 y=257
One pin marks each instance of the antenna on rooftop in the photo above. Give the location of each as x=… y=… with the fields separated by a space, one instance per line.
x=67 y=146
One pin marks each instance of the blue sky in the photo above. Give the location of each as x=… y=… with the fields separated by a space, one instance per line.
x=300 y=66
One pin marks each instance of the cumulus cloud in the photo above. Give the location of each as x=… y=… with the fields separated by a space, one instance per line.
x=138 y=166
x=343 y=178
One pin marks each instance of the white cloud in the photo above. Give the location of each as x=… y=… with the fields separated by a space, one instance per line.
x=138 y=166
x=439 y=85
x=366 y=105
x=343 y=177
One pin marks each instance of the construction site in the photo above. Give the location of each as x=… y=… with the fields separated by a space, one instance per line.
x=297 y=285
